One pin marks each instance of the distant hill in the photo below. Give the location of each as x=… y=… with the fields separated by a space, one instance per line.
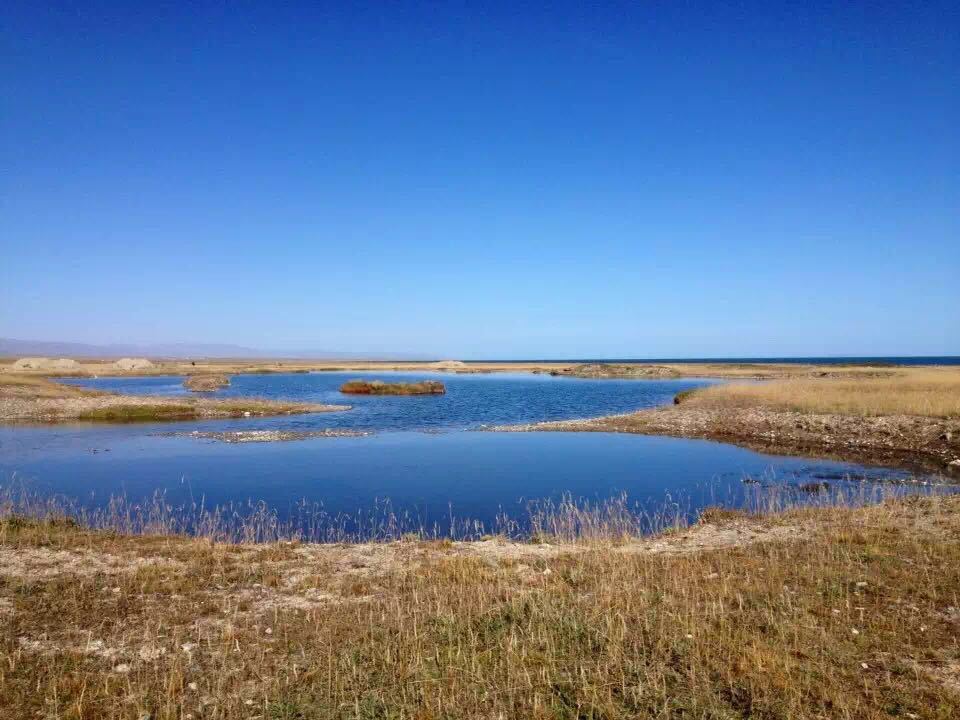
x=12 y=347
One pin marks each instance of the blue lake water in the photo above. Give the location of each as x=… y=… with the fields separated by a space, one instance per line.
x=470 y=401
x=428 y=477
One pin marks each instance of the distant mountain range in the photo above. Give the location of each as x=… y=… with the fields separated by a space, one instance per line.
x=12 y=347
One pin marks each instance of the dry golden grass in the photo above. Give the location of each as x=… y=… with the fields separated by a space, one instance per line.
x=747 y=371
x=206 y=382
x=924 y=392
x=35 y=386
x=856 y=617
x=378 y=387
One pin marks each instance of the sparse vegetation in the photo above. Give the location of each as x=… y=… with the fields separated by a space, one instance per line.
x=378 y=387
x=832 y=612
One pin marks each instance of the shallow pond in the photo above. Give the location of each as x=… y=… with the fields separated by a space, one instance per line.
x=429 y=478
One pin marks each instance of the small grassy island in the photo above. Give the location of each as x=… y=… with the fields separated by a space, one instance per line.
x=378 y=387
x=205 y=383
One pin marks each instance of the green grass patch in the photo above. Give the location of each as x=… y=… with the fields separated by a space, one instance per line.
x=140 y=413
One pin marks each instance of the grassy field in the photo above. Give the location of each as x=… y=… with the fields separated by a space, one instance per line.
x=829 y=613
x=915 y=391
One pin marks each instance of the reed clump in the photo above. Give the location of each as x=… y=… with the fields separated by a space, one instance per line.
x=378 y=387
x=206 y=383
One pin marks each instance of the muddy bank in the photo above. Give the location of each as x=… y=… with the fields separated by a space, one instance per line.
x=903 y=441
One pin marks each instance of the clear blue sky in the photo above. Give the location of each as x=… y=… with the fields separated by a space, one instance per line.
x=484 y=179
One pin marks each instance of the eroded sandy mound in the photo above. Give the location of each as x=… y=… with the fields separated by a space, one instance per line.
x=448 y=364
x=133 y=364
x=29 y=363
x=43 y=363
